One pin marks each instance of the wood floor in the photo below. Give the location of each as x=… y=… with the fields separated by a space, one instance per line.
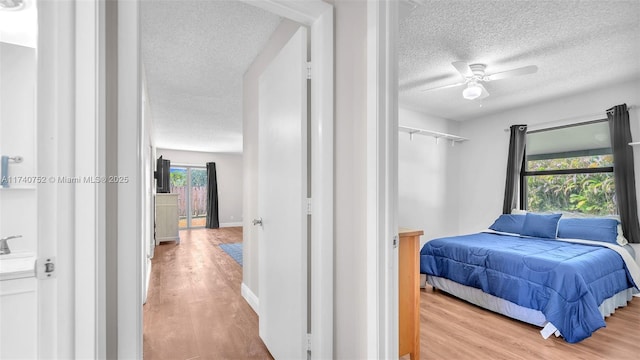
x=454 y=329
x=194 y=309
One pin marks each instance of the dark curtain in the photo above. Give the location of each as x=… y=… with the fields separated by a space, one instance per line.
x=623 y=171
x=212 y=197
x=517 y=143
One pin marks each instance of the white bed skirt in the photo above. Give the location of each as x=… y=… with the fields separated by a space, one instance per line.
x=512 y=310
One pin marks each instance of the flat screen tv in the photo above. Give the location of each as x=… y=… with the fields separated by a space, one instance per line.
x=163 y=185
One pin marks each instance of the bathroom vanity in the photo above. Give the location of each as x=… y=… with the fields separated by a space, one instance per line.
x=18 y=306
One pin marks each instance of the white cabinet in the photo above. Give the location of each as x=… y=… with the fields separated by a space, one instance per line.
x=18 y=319
x=167 y=218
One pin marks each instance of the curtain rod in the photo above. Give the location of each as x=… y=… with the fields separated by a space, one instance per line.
x=577 y=117
x=628 y=108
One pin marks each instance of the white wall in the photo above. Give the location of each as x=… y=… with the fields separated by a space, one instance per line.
x=483 y=159
x=428 y=174
x=59 y=234
x=148 y=186
x=229 y=174
x=350 y=207
x=250 y=247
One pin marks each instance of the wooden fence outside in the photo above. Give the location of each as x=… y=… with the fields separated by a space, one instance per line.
x=198 y=200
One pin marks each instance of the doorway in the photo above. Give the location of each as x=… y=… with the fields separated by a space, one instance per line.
x=190 y=183
x=106 y=273
x=319 y=16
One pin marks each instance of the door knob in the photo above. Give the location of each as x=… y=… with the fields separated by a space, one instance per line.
x=257 y=221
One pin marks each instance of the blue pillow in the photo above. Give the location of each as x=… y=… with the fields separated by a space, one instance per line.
x=539 y=225
x=599 y=229
x=508 y=223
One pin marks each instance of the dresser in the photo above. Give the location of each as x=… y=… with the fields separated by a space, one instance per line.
x=409 y=293
x=167 y=218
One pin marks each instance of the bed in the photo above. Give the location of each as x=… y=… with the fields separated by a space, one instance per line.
x=563 y=275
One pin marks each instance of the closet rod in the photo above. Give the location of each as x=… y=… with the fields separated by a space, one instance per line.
x=435 y=134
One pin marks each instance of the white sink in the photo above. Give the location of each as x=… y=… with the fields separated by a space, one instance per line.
x=17 y=265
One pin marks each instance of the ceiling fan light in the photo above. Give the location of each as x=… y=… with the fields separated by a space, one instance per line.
x=473 y=91
x=12 y=5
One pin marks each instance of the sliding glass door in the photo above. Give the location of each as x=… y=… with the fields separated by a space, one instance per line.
x=190 y=183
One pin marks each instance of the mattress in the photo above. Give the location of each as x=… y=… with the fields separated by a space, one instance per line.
x=566 y=280
x=515 y=311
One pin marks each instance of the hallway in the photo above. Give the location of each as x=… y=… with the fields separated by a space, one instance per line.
x=194 y=309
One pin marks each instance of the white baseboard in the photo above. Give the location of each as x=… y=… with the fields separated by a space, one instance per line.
x=148 y=278
x=251 y=298
x=232 y=224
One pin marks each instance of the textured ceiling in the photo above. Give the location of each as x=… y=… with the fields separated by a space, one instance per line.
x=195 y=53
x=577 y=45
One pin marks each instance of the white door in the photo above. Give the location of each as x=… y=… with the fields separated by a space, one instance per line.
x=282 y=172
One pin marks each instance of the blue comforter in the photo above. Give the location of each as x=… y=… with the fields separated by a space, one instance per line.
x=565 y=281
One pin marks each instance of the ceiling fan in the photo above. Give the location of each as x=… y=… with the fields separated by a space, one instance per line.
x=474 y=76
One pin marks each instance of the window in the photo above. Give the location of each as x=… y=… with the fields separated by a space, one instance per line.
x=569 y=169
x=190 y=183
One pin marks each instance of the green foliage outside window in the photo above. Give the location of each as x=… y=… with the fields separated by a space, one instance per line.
x=592 y=194
x=178 y=177
x=198 y=177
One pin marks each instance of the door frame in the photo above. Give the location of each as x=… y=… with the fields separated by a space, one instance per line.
x=70 y=116
x=88 y=228
x=316 y=14
x=382 y=180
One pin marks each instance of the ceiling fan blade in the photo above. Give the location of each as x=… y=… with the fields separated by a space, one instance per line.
x=484 y=93
x=444 y=87
x=463 y=68
x=511 y=73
